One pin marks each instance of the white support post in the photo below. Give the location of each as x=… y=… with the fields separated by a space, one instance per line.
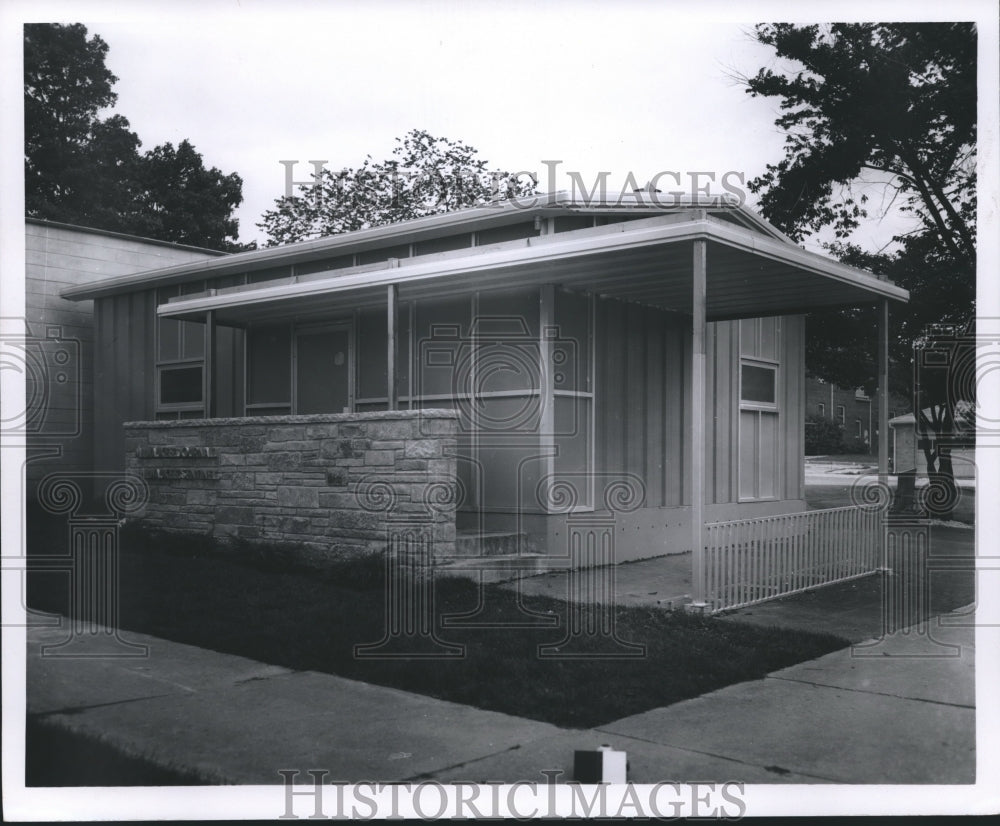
x=698 y=293
x=392 y=346
x=209 y=386
x=883 y=392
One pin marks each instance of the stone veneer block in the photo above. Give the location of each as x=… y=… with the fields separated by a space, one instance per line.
x=333 y=483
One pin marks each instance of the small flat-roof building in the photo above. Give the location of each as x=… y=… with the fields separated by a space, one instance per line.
x=543 y=360
x=59 y=333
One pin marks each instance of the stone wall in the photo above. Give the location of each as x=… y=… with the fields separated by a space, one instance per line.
x=337 y=484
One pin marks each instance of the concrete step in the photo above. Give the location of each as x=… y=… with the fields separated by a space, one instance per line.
x=498 y=567
x=473 y=543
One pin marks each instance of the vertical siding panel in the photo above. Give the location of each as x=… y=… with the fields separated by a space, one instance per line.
x=735 y=423
x=723 y=410
x=223 y=379
x=135 y=330
x=684 y=443
x=668 y=396
x=602 y=389
x=653 y=405
x=228 y=371
x=149 y=354
x=102 y=380
x=126 y=362
x=239 y=391
x=792 y=353
x=615 y=377
x=635 y=412
x=674 y=395
x=800 y=396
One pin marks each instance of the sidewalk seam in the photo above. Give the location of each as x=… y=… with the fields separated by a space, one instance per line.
x=721 y=756
x=867 y=691
x=81 y=709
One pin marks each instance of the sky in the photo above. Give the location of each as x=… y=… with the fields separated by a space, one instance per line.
x=626 y=87
x=634 y=87
x=629 y=88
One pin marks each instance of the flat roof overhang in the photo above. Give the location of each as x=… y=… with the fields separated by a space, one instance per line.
x=473 y=219
x=649 y=261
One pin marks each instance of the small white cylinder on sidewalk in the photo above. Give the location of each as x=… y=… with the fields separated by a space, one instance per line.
x=605 y=765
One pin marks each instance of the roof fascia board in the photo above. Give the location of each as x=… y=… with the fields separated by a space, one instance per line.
x=589 y=244
x=45 y=222
x=406 y=232
x=789 y=253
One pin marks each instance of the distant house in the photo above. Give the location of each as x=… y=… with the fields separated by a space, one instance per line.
x=533 y=358
x=59 y=358
x=907 y=453
x=853 y=410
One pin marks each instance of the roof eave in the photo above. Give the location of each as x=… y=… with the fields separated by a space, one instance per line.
x=390 y=234
x=574 y=244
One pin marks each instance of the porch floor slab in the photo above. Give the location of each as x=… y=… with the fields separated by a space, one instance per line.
x=662 y=582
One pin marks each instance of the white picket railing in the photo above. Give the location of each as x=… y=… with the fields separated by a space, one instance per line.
x=753 y=560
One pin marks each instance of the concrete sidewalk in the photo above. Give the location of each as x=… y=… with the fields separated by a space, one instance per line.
x=900 y=710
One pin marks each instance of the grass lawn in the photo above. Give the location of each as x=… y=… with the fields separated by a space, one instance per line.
x=54 y=756
x=259 y=605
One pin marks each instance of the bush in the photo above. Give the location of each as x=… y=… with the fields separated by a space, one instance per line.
x=856 y=446
x=823 y=436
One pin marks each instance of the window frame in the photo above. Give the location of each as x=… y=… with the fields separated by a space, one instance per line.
x=161 y=365
x=759 y=409
x=767 y=364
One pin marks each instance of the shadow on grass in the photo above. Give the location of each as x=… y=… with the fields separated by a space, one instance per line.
x=264 y=604
x=56 y=756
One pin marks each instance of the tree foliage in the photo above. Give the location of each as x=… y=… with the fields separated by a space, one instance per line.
x=176 y=197
x=83 y=169
x=425 y=175
x=895 y=99
x=886 y=104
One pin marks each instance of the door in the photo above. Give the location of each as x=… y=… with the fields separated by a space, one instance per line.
x=323 y=370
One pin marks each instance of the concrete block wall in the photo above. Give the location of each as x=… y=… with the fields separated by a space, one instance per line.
x=60 y=333
x=334 y=484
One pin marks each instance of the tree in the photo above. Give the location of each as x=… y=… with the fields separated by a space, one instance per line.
x=424 y=176
x=176 y=197
x=82 y=169
x=892 y=105
x=75 y=164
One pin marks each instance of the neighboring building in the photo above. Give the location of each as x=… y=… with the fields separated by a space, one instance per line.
x=59 y=356
x=853 y=410
x=534 y=359
x=907 y=453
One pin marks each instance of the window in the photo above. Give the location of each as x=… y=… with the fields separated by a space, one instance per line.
x=757 y=385
x=759 y=421
x=822 y=409
x=180 y=359
x=841 y=415
x=181 y=385
x=861 y=434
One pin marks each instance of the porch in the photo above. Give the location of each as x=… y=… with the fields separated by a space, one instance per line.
x=687 y=265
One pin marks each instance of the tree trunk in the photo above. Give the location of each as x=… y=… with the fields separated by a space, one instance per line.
x=941 y=495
